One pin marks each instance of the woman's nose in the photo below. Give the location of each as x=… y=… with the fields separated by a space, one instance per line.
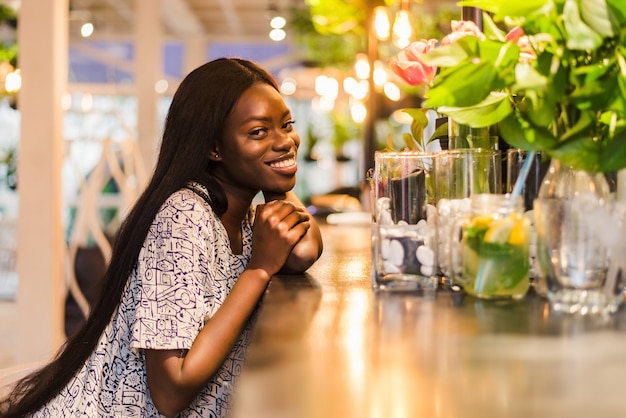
x=285 y=140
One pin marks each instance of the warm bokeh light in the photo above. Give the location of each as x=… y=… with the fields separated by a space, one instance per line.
x=86 y=30
x=380 y=74
x=401 y=117
x=362 y=67
x=327 y=87
x=402 y=29
x=13 y=82
x=349 y=85
x=382 y=23
x=391 y=91
x=322 y=104
x=161 y=86
x=278 y=22
x=288 y=86
x=277 y=35
x=361 y=90
x=358 y=111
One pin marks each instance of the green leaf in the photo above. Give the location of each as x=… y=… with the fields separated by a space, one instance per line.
x=540 y=108
x=597 y=15
x=527 y=77
x=466 y=84
x=491 y=30
x=579 y=35
x=486 y=113
x=418 y=114
x=580 y=153
x=618 y=11
x=409 y=141
x=618 y=97
x=594 y=94
x=502 y=8
x=519 y=133
x=446 y=55
x=440 y=132
x=613 y=155
x=581 y=129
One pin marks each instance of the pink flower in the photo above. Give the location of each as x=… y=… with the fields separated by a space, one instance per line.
x=517 y=36
x=409 y=66
x=461 y=28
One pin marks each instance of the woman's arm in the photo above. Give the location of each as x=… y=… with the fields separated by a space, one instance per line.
x=310 y=247
x=176 y=378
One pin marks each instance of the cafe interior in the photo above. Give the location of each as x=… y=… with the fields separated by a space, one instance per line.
x=465 y=160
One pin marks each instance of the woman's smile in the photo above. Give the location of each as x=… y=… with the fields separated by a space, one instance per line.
x=285 y=165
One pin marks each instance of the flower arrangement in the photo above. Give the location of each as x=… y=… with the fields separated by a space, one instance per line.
x=550 y=73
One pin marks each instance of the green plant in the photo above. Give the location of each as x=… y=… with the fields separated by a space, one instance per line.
x=550 y=73
x=9 y=159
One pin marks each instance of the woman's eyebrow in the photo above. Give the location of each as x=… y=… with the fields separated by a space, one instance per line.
x=266 y=118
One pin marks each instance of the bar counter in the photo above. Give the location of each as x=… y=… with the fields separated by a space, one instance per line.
x=327 y=345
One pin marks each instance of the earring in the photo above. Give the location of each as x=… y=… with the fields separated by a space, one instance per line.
x=216 y=155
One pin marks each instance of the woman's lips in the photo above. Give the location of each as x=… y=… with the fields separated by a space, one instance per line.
x=286 y=165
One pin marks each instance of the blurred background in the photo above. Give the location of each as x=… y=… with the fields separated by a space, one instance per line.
x=84 y=89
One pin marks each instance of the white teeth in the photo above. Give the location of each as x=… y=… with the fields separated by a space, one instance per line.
x=283 y=163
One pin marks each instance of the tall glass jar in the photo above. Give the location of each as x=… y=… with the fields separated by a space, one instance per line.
x=489 y=248
x=572 y=253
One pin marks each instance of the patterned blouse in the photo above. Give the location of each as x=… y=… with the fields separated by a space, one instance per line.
x=184 y=272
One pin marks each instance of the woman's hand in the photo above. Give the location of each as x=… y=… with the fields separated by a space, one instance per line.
x=278 y=226
x=309 y=248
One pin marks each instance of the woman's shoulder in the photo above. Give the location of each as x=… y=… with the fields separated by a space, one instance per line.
x=190 y=203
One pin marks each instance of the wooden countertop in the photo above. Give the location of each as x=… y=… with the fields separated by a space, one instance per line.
x=327 y=345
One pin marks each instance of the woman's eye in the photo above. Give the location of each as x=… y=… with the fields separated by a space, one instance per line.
x=289 y=124
x=257 y=132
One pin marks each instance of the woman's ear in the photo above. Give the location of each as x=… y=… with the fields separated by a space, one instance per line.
x=215 y=155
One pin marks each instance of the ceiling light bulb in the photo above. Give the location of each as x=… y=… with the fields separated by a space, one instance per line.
x=278 y=22
x=277 y=35
x=86 y=30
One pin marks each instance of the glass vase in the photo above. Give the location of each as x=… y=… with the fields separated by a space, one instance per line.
x=573 y=254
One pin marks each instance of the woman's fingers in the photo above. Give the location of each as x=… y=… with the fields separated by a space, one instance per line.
x=282 y=211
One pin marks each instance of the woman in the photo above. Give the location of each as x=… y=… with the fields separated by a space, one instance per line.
x=191 y=260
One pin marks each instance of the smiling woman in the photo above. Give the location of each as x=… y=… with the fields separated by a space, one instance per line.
x=191 y=261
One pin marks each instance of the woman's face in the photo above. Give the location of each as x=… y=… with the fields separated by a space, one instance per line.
x=259 y=147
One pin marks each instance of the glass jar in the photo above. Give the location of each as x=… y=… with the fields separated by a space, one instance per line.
x=572 y=223
x=489 y=248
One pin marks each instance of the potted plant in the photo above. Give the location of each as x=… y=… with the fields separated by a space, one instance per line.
x=551 y=74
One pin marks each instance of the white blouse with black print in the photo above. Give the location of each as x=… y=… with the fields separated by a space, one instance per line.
x=184 y=272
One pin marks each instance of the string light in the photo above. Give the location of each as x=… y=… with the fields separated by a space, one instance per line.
x=402 y=29
x=382 y=23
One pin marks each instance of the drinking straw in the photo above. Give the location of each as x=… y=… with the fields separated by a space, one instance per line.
x=521 y=178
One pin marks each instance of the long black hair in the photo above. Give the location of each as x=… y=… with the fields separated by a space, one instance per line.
x=194 y=123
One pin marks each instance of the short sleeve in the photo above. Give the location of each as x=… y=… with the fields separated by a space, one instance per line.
x=171 y=276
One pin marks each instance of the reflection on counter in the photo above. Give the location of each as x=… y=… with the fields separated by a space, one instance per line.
x=327 y=345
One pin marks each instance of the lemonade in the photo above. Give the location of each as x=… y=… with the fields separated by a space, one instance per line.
x=494 y=255
x=489 y=247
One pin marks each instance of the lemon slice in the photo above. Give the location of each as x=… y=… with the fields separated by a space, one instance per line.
x=499 y=231
x=482 y=221
x=520 y=233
